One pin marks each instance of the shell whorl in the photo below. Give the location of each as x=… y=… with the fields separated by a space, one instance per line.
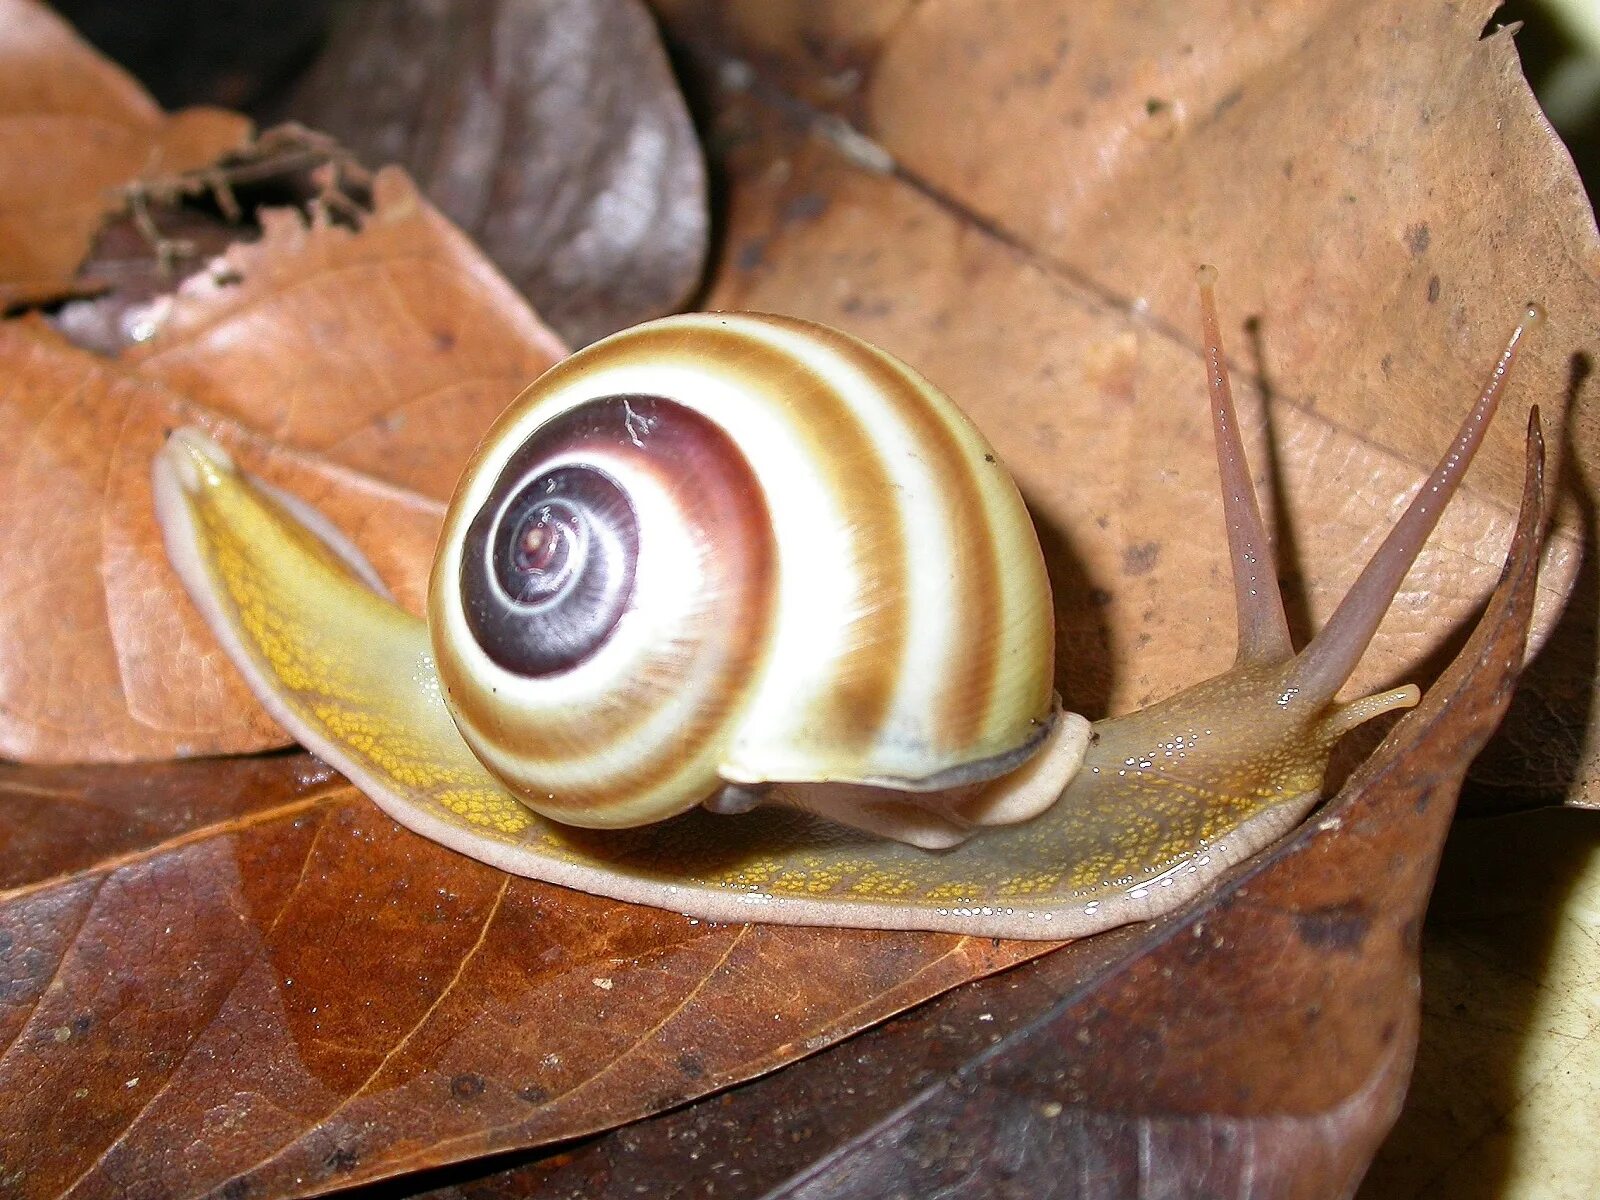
x=801 y=563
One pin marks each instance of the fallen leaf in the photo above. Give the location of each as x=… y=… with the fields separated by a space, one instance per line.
x=389 y=350
x=386 y=350
x=302 y=995
x=1540 y=753
x=315 y=350
x=100 y=656
x=74 y=130
x=321 y=349
x=416 y=990
x=551 y=131
x=58 y=821
x=1021 y=215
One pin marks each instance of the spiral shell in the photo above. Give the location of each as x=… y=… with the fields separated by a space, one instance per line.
x=737 y=548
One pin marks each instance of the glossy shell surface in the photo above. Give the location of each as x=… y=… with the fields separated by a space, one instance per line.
x=828 y=576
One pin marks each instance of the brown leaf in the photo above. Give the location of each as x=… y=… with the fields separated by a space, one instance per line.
x=386 y=351
x=301 y=995
x=101 y=656
x=552 y=131
x=389 y=350
x=1020 y=216
x=317 y=352
x=74 y=129
x=1540 y=755
x=58 y=821
x=442 y=1001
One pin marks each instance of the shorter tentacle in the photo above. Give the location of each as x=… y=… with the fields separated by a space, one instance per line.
x=1342 y=718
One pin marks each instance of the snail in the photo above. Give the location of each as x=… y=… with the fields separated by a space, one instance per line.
x=737 y=615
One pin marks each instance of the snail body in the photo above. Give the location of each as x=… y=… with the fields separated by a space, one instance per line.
x=738 y=615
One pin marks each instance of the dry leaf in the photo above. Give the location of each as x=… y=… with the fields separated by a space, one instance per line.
x=302 y=995
x=1020 y=216
x=552 y=131
x=100 y=655
x=58 y=821
x=389 y=350
x=74 y=129
x=314 y=351
x=413 y=991
x=385 y=350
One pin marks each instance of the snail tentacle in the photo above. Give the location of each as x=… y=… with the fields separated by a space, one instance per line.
x=1330 y=657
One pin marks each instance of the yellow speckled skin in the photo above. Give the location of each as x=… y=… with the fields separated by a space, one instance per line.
x=343 y=661
x=352 y=676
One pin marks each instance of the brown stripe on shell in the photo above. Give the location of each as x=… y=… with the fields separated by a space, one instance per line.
x=969 y=685
x=719 y=497
x=1005 y=589
x=869 y=674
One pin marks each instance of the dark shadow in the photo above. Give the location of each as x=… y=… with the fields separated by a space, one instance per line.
x=1469 y=1051
x=199 y=52
x=1286 y=546
x=698 y=80
x=1083 y=636
x=746 y=124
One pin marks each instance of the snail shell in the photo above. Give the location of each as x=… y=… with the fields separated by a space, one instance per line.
x=723 y=560
x=737 y=549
